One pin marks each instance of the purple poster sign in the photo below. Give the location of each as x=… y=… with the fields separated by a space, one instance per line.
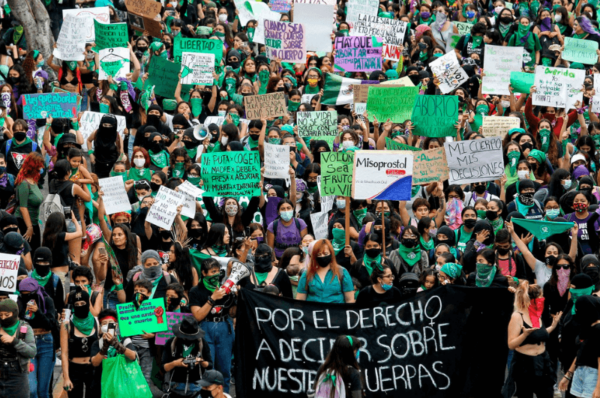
x=173 y=318
x=281 y=5
x=285 y=41
x=358 y=53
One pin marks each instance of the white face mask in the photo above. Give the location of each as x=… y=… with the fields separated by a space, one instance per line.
x=223 y=17
x=347 y=144
x=173 y=4
x=139 y=162
x=557 y=18
x=523 y=174
x=224 y=140
x=505 y=104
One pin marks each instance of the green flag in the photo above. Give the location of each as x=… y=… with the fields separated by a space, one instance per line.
x=543 y=229
x=398 y=146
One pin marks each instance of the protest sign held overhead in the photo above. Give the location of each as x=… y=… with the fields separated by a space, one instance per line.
x=358 y=54
x=521 y=82
x=435 y=115
x=204 y=46
x=110 y=35
x=71 y=41
x=391 y=31
x=358 y=7
x=277 y=161
x=394 y=103
x=582 y=51
x=474 y=161
x=57 y=105
x=285 y=41
x=336 y=173
x=316 y=19
x=317 y=124
x=114 y=62
x=384 y=175
x=163 y=211
x=99 y=14
x=231 y=173
x=148 y=317
x=447 y=69
x=163 y=75
x=430 y=166
x=197 y=68
x=265 y=106
x=115 y=197
x=147 y=11
x=499 y=62
x=558 y=87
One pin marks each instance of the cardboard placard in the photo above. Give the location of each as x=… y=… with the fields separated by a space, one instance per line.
x=265 y=106
x=579 y=50
x=201 y=46
x=114 y=62
x=447 y=69
x=392 y=31
x=317 y=124
x=70 y=45
x=558 y=87
x=9 y=269
x=316 y=19
x=197 y=68
x=430 y=166
x=498 y=126
x=110 y=35
x=100 y=14
x=364 y=7
x=277 y=161
x=336 y=173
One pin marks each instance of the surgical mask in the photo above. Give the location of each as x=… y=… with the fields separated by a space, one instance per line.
x=567 y=184
x=386 y=287
x=231 y=210
x=552 y=213
x=287 y=215
x=558 y=18
x=224 y=140
x=104 y=108
x=505 y=104
x=523 y=174
x=139 y=162
x=223 y=17
x=348 y=144
x=341 y=204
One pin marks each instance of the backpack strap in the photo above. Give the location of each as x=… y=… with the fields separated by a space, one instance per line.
x=8 y=145
x=275 y=222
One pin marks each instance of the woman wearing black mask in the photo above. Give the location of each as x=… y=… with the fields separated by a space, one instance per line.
x=76 y=339
x=413 y=74
x=479 y=190
x=197 y=230
x=409 y=257
x=42 y=263
x=255 y=129
x=312 y=172
x=159 y=156
x=153 y=119
x=190 y=143
x=524 y=203
x=179 y=266
x=482 y=235
x=265 y=273
x=17 y=348
x=107 y=146
x=590 y=265
x=373 y=259
x=465 y=233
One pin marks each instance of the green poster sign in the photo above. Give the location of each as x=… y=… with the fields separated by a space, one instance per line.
x=336 y=173
x=435 y=115
x=392 y=145
x=394 y=103
x=205 y=46
x=110 y=35
x=521 y=82
x=163 y=75
x=579 y=50
x=463 y=27
x=231 y=174
x=150 y=317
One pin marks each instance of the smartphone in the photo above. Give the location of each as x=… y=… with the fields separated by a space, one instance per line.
x=102 y=251
x=67 y=315
x=67 y=210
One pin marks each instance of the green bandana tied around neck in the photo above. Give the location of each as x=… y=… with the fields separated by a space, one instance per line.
x=359 y=214
x=513 y=157
x=196 y=107
x=452 y=270
x=160 y=159
x=178 y=170
x=410 y=256
x=263 y=76
x=485 y=275
x=220 y=251
x=85 y=325
x=11 y=330
x=187 y=350
x=211 y=283
x=339 y=240
x=523 y=209
x=480 y=214
x=72 y=65
x=192 y=153
x=136 y=174
x=562 y=28
x=504 y=28
x=371 y=263
x=426 y=245
x=576 y=293
x=261 y=277
x=122 y=174
x=423 y=56
x=477 y=41
x=545 y=135
x=580 y=36
x=497 y=224
x=482 y=109
x=42 y=280
x=308 y=89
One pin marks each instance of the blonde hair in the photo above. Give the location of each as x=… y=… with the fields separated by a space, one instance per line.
x=525 y=292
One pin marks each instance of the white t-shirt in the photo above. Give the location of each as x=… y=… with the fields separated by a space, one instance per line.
x=542 y=273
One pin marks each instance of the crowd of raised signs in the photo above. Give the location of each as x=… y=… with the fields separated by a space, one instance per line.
x=167 y=156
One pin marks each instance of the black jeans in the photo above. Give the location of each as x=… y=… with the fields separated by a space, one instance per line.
x=13 y=382
x=36 y=239
x=533 y=375
x=82 y=376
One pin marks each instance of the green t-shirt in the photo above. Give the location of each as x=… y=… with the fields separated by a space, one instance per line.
x=31 y=197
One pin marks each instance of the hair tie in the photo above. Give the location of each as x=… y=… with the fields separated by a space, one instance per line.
x=350 y=340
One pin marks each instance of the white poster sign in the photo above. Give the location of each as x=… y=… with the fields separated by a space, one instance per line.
x=277 y=161
x=115 y=197
x=391 y=30
x=100 y=14
x=163 y=211
x=197 y=68
x=384 y=175
x=316 y=19
x=475 y=160
x=113 y=62
x=319 y=224
x=558 y=87
x=326 y=201
x=191 y=192
x=498 y=62
x=447 y=69
x=357 y=7
x=70 y=45
x=9 y=268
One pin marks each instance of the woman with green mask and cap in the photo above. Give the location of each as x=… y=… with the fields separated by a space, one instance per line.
x=537 y=160
x=524 y=37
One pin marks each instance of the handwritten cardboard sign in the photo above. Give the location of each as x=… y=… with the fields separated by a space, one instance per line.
x=435 y=115
x=265 y=106
x=336 y=173
x=582 y=51
x=558 y=87
x=364 y=7
x=231 y=173
x=358 y=53
x=115 y=197
x=163 y=211
x=40 y=106
x=391 y=30
x=149 y=318
x=475 y=160
x=498 y=126
x=173 y=318
x=147 y=10
x=317 y=124
x=277 y=161
x=9 y=268
x=285 y=41
x=430 y=166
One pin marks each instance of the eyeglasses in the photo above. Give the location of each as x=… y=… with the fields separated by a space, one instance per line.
x=390 y=276
x=563 y=266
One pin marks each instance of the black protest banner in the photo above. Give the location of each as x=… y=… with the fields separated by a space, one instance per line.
x=446 y=342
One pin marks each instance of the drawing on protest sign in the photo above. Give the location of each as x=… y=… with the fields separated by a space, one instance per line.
x=392 y=31
x=425 y=346
x=9 y=269
x=430 y=166
x=173 y=318
x=357 y=7
x=579 y=50
x=277 y=161
x=163 y=75
x=317 y=124
x=148 y=318
x=392 y=145
x=394 y=103
x=281 y=5
x=476 y=160
x=435 y=115
x=70 y=45
x=382 y=175
x=447 y=69
x=163 y=211
x=285 y=41
x=316 y=19
x=115 y=197
x=357 y=53
x=197 y=68
x=558 y=87
x=90 y=121
x=336 y=173
x=110 y=36
x=452 y=42
x=114 y=62
x=498 y=126
x=464 y=28
x=147 y=10
x=190 y=192
x=265 y=106
x=319 y=222
x=40 y=106
x=231 y=174
x=100 y=14
x=498 y=63
x=521 y=82
x=205 y=46
x=135 y=21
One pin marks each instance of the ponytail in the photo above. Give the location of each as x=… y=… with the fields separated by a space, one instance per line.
x=522 y=295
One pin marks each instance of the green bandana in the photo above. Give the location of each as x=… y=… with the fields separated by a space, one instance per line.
x=195 y=181
x=423 y=56
x=308 y=89
x=513 y=157
x=264 y=76
x=477 y=41
x=104 y=108
x=480 y=214
x=160 y=159
x=42 y=280
x=85 y=325
x=482 y=109
x=485 y=275
x=122 y=174
x=339 y=240
x=235 y=118
x=497 y=224
x=576 y=293
x=211 y=282
x=187 y=350
x=522 y=208
x=426 y=245
x=543 y=229
x=230 y=83
x=11 y=330
x=293 y=106
x=580 y=36
x=410 y=256
x=250 y=33
x=261 y=277
x=178 y=170
x=252 y=142
x=220 y=251
x=196 y=107
x=192 y=153
x=18 y=32
x=136 y=174
x=359 y=214
x=562 y=28
x=274 y=141
x=545 y=135
x=596 y=138
x=452 y=270
x=371 y=263
x=538 y=155
x=72 y=65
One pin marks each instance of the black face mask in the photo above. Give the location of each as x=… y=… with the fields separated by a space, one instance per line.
x=480 y=189
x=165 y=234
x=42 y=270
x=195 y=233
x=167 y=45
x=502 y=251
x=156 y=147
x=526 y=198
x=12 y=80
x=27 y=297
x=415 y=79
x=190 y=144
x=409 y=243
x=372 y=253
x=280 y=89
x=153 y=120
x=311 y=184
x=263 y=264
x=10 y=321
x=324 y=261
x=491 y=215
x=533 y=166
x=20 y=135
x=128 y=225
x=551 y=260
x=593 y=273
x=205 y=394
x=11 y=229
x=255 y=137
x=506 y=20
x=173 y=303
x=142 y=49
x=82 y=311
x=469 y=223
x=154 y=186
x=527 y=145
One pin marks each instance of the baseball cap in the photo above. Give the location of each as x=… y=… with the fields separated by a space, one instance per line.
x=212 y=377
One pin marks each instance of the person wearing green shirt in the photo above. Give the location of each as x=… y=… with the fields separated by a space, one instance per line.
x=29 y=199
x=524 y=37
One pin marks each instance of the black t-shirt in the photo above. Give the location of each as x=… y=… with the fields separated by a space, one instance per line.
x=199 y=295
x=589 y=351
x=61 y=251
x=123 y=260
x=181 y=375
x=96 y=349
x=368 y=295
x=281 y=280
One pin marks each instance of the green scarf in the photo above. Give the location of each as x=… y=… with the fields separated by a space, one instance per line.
x=361 y=213
x=122 y=174
x=220 y=251
x=11 y=330
x=160 y=159
x=576 y=293
x=426 y=245
x=521 y=33
x=504 y=29
x=17 y=34
x=477 y=41
x=252 y=143
x=497 y=224
x=513 y=158
x=308 y=89
x=192 y=152
x=371 y=263
x=211 y=283
x=521 y=208
x=178 y=170
x=339 y=240
x=188 y=350
x=562 y=28
x=423 y=56
x=195 y=181
x=136 y=174
x=580 y=36
x=410 y=256
x=85 y=325
x=261 y=277
x=42 y=280
x=545 y=135
x=293 y=106
x=17 y=145
x=196 y=106
x=485 y=275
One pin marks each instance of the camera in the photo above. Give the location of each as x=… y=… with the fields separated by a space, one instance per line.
x=190 y=362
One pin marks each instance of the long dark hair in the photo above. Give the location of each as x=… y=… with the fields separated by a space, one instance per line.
x=553 y=281
x=237 y=226
x=340 y=358
x=199 y=217
x=54 y=225
x=182 y=266
x=215 y=237
x=131 y=247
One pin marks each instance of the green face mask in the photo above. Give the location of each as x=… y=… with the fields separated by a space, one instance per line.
x=437 y=55
x=293 y=106
x=236 y=118
x=264 y=76
x=230 y=84
x=274 y=141
x=104 y=108
x=345 y=32
x=360 y=215
x=250 y=33
x=211 y=282
x=338 y=234
x=194 y=180
x=196 y=106
x=523 y=29
x=555 y=7
x=477 y=41
x=481 y=214
x=123 y=174
x=219 y=34
x=482 y=109
x=72 y=65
